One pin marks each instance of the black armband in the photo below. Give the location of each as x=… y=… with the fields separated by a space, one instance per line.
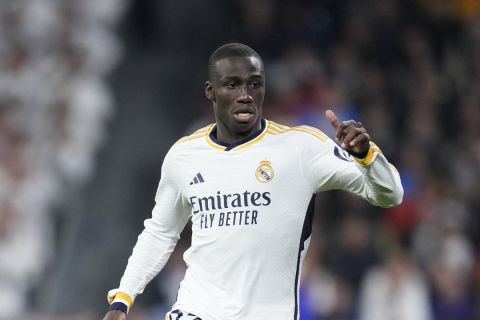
x=119 y=306
x=359 y=155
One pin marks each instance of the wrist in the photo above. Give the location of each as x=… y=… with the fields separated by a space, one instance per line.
x=357 y=155
x=119 y=301
x=120 y=306
x=368 y=157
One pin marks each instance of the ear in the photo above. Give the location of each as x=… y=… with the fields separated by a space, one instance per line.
x=209 y=92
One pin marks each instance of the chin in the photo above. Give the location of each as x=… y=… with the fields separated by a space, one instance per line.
x=246 y=127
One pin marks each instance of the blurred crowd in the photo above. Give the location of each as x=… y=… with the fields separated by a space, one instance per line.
x=54 y=104
x=408 y=69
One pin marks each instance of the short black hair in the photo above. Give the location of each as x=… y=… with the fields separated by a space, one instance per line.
x=233 y=49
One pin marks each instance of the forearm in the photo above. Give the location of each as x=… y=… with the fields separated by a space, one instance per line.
x=380 y=184
x=149 y=256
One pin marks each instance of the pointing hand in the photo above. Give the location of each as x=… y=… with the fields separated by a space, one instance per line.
x=350 y=134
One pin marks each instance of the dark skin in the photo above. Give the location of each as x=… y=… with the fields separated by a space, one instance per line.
x=350 y=134
x=115 y=315
x=237 y=91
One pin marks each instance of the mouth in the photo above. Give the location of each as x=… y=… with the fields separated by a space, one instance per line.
x=244 y=114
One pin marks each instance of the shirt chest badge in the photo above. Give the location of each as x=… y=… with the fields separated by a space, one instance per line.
x=264 y=172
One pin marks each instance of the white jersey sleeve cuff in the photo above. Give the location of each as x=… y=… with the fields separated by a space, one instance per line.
x=115 y=296
x=370 y=157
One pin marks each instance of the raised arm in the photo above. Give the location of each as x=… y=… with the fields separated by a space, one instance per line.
x=357 y=165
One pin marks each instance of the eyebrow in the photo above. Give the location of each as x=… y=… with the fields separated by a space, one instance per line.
x=255 y=76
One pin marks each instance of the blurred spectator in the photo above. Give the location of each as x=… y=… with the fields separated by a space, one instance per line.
x=354 y=254
x=396 y=290
x=53 y=108
x=449 y=257
x=323 y=295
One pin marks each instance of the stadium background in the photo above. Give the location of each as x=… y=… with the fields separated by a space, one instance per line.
x=93 y=93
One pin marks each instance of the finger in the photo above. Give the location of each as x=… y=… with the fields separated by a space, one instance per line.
x=332 y=118
x=347 y=125
x=350 y=135
x=358 y=132
x=362 y=138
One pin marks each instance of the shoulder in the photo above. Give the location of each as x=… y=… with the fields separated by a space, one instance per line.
x=200 y=133
x=188 y=144
x=302 y=132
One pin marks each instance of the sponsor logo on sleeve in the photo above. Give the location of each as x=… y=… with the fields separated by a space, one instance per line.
x=342 y=154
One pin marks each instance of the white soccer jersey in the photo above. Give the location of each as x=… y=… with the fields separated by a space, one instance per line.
x=251 y=208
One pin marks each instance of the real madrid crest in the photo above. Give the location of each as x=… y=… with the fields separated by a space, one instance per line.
x=264 y=172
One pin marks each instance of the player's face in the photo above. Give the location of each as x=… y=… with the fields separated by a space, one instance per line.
x=237 y=91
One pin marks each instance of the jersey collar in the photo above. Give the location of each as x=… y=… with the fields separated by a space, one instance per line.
x=248 y=141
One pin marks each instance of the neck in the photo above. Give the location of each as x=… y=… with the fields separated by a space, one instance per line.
x=228 y=136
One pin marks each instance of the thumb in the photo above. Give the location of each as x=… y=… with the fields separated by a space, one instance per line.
x=332 y=118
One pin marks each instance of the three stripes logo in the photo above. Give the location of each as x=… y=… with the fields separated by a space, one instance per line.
x=197 y=179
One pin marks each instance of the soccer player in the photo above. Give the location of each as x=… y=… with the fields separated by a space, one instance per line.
x=248 y=184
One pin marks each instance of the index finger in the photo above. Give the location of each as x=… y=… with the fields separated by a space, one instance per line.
x=332 y=118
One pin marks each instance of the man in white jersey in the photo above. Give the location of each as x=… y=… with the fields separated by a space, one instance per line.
x=248 y=185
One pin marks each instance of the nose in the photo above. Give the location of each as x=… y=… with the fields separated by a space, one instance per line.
x=244 y=97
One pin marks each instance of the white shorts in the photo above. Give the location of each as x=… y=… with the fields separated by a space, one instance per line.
x=181 y=315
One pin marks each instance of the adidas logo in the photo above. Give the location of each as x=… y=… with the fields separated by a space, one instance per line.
x=197 y=179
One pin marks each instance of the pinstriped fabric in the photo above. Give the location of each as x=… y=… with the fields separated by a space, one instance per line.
x=275 y=128
x=272 y=128
x=314 y=131
x=278 y=127
x=197 y=134
x=204 y=129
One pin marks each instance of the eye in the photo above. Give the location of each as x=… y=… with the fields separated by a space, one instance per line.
x=256 y=84
x=231 y=85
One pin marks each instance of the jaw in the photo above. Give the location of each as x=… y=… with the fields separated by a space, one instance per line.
x=231 y=130
x=245 y=124
x=237 y=122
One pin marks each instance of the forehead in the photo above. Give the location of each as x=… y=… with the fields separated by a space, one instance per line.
x=239 y=66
